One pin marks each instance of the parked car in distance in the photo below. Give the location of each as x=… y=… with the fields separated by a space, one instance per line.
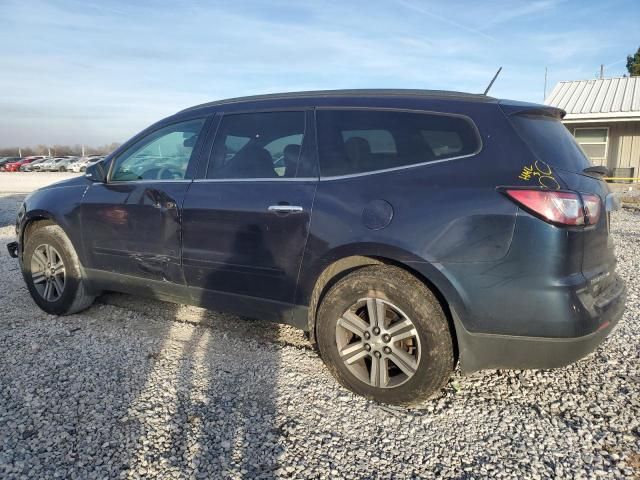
x=82 y=164
x=41 y=165
x=15 y=166
x=5 y=160
x=403 y=230
x=30 y=167
x=37 y=166
x=78 y=166
x=52 y=165
x=65 y=165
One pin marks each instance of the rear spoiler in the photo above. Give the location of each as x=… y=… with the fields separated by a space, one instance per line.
x=511 y=107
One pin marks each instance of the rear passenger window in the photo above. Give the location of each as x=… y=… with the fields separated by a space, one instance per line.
x=258 y=145
x=380 y=141
x=358 y=141
x=443 y=143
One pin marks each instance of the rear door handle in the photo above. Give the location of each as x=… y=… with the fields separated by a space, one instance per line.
x=285 y=208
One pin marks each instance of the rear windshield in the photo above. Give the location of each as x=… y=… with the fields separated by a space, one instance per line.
x=551 y=142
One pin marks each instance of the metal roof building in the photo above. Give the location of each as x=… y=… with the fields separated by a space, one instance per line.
x=610 y=98
x=604 y=116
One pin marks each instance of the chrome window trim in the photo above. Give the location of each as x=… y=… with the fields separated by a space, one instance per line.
x=302 y=109
x=464 y=117
x=282 y=179
x=393 y=169
x=146 y=180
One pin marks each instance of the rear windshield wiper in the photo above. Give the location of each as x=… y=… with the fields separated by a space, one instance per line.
x=597 y=170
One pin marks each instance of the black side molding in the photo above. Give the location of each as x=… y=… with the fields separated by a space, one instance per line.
x=13 y=249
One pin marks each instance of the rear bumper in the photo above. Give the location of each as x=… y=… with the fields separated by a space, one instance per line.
x=480 y=351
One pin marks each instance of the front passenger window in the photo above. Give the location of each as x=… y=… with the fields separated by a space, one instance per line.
x=161 y=155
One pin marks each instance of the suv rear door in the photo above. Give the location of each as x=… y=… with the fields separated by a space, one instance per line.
x=246 y=219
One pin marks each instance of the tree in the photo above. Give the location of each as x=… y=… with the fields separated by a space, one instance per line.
x=633 y=64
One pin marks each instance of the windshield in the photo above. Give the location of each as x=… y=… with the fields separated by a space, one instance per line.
x=551 y=142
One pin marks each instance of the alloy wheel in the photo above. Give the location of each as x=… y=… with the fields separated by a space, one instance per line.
x=48 y=272
x=378 y=343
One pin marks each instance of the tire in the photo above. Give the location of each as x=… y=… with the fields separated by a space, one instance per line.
x=51 y=243
x=425 y=349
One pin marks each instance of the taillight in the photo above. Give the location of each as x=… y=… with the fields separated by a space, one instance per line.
x=562 y=208
x=592 y=207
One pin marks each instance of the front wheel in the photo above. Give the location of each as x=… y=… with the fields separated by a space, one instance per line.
x=384 y=335
x=51 y=269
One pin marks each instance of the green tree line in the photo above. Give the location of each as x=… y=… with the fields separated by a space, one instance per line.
x=633 y=64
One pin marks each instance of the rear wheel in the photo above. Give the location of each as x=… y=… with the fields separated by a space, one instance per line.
x=383 y=335
x=52 y=272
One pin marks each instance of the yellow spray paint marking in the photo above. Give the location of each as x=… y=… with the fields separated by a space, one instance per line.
x=542 y=172
x=526 y=173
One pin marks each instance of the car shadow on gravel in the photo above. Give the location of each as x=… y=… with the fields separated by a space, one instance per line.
x=196 y=400
x=207 y=408
x=212 y=391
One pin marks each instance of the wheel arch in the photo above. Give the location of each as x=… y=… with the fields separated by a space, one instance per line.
x=342 y=267
x=33 y=221
x=41 y=218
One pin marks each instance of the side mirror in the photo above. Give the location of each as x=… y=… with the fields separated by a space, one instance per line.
x=96 y=173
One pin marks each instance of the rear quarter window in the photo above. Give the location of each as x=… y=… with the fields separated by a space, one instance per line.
x=359 y=141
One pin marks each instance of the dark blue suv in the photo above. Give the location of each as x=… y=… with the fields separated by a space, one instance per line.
x=403 y=230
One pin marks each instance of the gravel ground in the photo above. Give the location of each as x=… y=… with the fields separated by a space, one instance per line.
x=133 y=388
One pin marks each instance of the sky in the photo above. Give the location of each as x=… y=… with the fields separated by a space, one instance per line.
x=95 y=72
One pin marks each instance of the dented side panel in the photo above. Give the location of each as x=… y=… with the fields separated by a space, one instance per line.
x=133 y=228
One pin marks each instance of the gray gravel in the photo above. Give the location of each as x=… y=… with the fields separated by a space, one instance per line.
x=134 y=388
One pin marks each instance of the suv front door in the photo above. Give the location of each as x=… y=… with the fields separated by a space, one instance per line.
x=246 y=221
x=131 y=222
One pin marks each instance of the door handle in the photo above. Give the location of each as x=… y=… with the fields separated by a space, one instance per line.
x=285 y=209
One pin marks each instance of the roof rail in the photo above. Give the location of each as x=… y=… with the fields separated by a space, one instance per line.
x=346 y=93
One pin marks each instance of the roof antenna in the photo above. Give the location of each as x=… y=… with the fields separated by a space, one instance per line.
x=492 y=80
